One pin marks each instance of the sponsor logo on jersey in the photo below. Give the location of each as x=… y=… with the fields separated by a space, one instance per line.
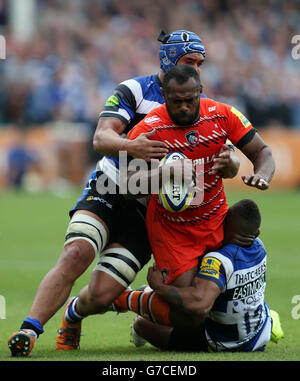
x=241 y=278
x=241 y=117
x=248 y=289
x=102 y=200
x=152 y=119
x=211 y=109
x=210 y=267
x=112 y=101
x=192 y=137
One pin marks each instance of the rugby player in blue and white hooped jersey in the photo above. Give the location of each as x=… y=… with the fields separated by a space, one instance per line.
x=240 y=317
x=227 y=292
x=108 y=224
x=242 y=281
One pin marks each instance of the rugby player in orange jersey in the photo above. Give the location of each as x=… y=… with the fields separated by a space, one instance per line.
x=199 y=128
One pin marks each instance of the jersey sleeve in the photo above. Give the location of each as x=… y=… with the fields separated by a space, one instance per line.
x=122 y=104
x=212 y=269
x=239 y=129
x=217 y=268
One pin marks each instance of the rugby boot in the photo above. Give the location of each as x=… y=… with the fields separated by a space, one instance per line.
x=277 y=332
x=136 y=339
x=21 y=343
x=68 y=336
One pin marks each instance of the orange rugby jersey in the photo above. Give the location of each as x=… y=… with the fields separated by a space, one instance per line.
x=200 y=142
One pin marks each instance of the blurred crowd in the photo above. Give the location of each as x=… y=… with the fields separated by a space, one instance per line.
x=82 y=48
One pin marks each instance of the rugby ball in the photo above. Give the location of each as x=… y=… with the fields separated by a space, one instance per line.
x=174 y=197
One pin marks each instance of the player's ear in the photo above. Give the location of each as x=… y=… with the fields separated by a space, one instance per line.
x=258 y=233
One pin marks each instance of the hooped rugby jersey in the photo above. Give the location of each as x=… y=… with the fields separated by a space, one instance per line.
x=132 y=100
x=200 y=142
x=239 y=317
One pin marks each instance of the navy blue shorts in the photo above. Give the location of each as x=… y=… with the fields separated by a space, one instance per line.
x=125 y=219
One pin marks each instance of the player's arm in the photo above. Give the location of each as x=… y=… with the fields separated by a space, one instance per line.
x=245 y=137
x=197 y=299
x=107 y=141
x=226 y=162
x=260 y=154
x=118 y=112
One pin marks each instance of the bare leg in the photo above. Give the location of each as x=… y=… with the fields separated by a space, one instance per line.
x=102 y=290
x=98 y=295
x=56 y=286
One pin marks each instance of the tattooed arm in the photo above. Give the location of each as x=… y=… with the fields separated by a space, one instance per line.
x=197 y=299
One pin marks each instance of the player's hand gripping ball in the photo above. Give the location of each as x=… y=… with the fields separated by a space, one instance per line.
x=175 y=196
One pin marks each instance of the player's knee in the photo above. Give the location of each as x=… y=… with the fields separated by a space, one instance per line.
x=103 y=298
x=75 y=258
x=77 y=252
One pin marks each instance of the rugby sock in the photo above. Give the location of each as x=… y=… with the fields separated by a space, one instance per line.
x=146 y=304
x=71 y=315
x=33 y=325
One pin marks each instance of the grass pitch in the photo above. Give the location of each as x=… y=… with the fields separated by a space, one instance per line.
x=32 y=228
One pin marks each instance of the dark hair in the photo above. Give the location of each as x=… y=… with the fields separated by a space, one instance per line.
x=181 y=74
x=249 y=212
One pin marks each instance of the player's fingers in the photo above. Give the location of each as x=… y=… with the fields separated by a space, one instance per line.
x=213 y=171
x=150 y=271
x=148 y=134
x=219 y=164
x=242 y=240
x=160 y=150
x=154 y=143
x=225 y=149
x=223 y=161
x=263 y=184
x=155 y=154
x=247 y=179
x=256 y=181
x=157 y=143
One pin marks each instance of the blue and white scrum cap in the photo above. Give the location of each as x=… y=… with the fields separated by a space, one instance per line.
x=177 y=44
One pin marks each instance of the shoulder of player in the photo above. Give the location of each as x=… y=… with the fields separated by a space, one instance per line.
x=153 y=119
x=224 y=256
x=215 y=264
x=138 y=85
x=156 y=116
x=238 y=253
x=210 y=107
x=259 y=243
